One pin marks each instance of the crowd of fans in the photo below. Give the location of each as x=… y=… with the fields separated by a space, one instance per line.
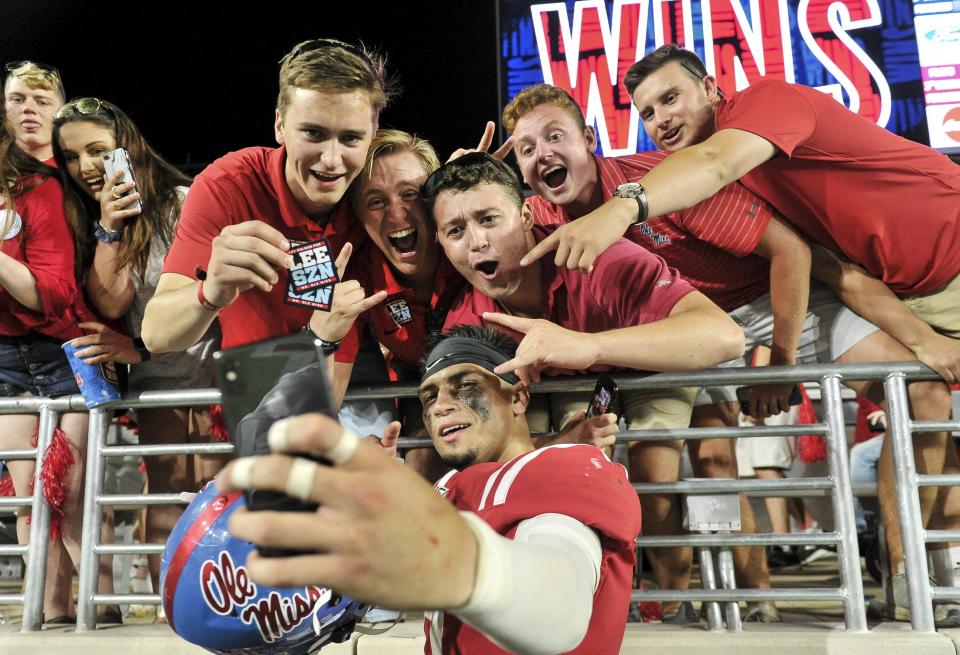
x=773 y=219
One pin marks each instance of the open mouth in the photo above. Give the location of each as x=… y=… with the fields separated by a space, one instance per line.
x=555 y=176
x=325 y=178
x=449 y=432
x=404 y=241
x=671 y=134
x=487 y=269
x=95 y=183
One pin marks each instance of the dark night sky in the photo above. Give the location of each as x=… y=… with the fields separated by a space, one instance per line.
x=200 y=78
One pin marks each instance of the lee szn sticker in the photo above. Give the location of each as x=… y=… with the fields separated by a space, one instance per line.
x=310 y=281
x=313 y=266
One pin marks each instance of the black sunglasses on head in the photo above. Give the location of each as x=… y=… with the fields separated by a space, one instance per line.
x=697 y=74
x=11 y=66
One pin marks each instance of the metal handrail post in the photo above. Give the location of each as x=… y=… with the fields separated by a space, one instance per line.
x=92 y=520
x=908 y=503
x=848 y=550
x=36 y=574
x=728 y=578
x=709 y=581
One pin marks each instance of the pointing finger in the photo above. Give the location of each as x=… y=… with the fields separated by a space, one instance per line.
x=517 y=323
x=541 y=249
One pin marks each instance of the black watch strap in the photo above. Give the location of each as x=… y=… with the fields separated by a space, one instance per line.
x=328 y=347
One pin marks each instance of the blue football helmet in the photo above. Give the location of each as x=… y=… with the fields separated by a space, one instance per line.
x=210 y=600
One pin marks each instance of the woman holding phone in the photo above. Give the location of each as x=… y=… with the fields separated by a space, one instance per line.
x=124 y=229
x=38 y=312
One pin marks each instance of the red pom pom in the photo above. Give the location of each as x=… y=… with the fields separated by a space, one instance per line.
x=650 y=610
x=218 y=425
x=810 y=447
x=56 y=465
x=6 y=486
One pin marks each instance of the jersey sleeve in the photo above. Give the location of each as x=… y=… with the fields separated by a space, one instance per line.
x=203 y=215
x=635 y=284
x=773 y=110
x=578 y=481
x=734 y=219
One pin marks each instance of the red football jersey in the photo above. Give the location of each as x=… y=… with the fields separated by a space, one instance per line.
x=576 y=480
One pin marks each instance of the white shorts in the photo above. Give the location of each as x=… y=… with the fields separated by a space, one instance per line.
x=829 y=330
x=766 y=452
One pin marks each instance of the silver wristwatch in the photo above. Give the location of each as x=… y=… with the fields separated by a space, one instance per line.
x=634 y=190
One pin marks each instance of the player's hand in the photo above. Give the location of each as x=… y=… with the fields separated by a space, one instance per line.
x=389 y=440
x=942 y=354
x=600 y=431
x=245 y=256
x=349 y=301
x=116 y=208
x=105 y=345
x=579 y=243
x=544 y=345
x=484 y=146
x=382 y=535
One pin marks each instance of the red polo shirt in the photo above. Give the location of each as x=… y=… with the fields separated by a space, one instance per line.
x=710 y=243
x=402 y=323
x=247 y=185
x=888 y=204
x=628 y=286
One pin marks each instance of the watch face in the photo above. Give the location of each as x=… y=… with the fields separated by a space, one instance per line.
x=629 y=190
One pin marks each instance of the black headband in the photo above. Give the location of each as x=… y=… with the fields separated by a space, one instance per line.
x=462 y=350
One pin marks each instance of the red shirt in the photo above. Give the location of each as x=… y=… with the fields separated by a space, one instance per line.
x=584 y=485
x=246 y=185
x=710 y=243
x=44 y=243
x=628 y=286
x=402 y=322
x=888 y=204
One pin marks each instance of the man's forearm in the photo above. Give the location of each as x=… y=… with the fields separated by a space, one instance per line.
x=789 y=294
x=688 y=340
x=174 y=319
x=698 y=172
x=870 y=297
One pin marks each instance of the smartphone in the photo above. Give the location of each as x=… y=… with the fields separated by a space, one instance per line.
x=743 y=395
x=119 y=160
x=604 y=395
x=262 y=383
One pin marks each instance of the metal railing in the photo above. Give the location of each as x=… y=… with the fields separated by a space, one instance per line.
x=48 y=412
x=837 y=484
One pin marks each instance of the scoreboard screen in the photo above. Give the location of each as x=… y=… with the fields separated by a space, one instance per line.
x=897 y=62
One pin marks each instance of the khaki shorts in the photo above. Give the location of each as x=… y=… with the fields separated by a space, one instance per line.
x=766 y=452
x=642 y=409
x=940 y=309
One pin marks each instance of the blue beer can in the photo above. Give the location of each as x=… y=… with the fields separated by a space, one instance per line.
x=95 y=388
